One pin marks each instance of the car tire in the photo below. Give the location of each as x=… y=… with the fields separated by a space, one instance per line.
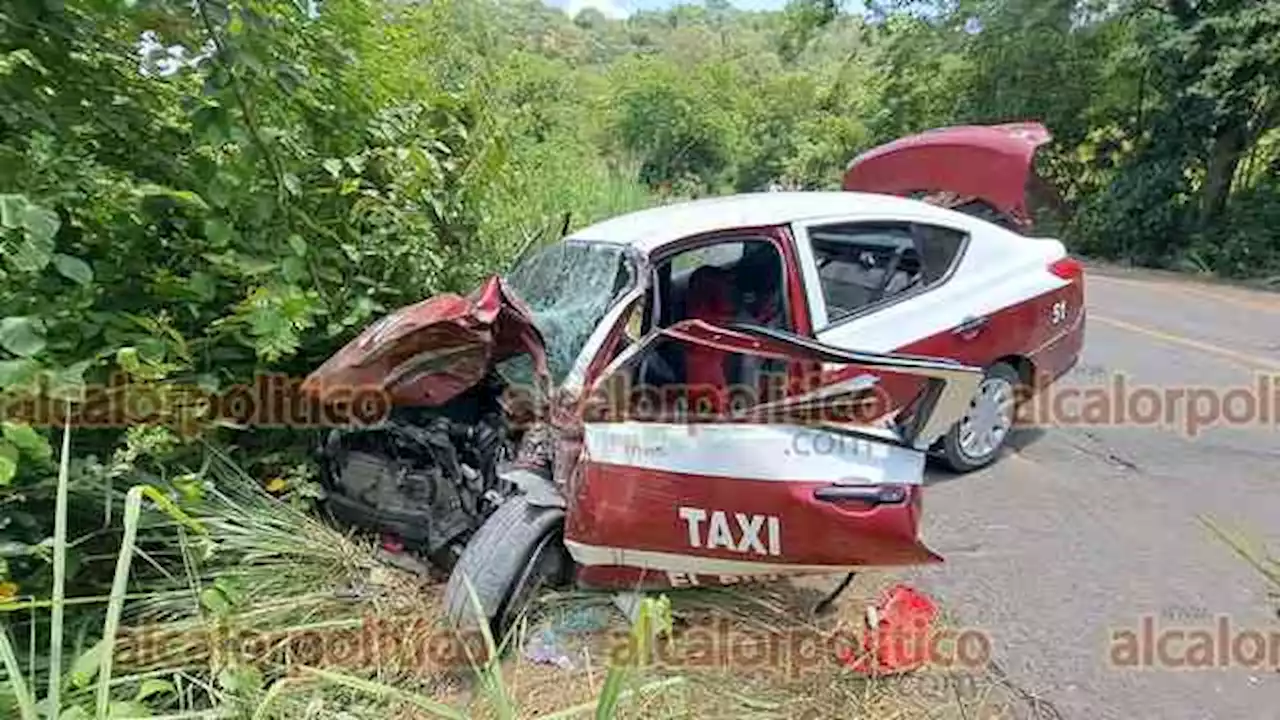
x=960 y=452
x=517 y=551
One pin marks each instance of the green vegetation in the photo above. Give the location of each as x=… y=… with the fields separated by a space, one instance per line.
x=275 y=174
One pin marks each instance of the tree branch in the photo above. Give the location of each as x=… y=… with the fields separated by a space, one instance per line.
x=221 y=53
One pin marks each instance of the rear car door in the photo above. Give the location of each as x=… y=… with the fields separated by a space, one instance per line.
x=796 y=483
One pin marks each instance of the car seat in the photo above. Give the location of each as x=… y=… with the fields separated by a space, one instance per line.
x=708 y=299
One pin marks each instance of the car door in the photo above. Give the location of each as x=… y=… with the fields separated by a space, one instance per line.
x=781 y=486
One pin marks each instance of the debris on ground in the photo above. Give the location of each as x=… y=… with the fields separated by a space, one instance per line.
x=897 y=636
x=392 y=543
x=561 y=640
x=547 y=647
x=584 y=619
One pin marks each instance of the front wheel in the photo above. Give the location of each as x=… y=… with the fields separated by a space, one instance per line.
x=977 y=439
x=518 y=551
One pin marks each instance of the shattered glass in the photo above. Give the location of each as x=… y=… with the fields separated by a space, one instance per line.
x=569 y=286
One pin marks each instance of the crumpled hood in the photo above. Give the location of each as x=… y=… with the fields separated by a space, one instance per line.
x=992 y=163
x=428 y=353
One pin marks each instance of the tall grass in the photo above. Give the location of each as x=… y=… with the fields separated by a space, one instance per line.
x=558 y=181
x=24 y=694
x=250 y=561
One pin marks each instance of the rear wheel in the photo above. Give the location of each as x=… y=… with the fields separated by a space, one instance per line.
x=977 y=439
x=518 y=551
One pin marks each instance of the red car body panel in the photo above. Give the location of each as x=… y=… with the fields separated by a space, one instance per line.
x=653 y=500
x=991 y=163
x=428 y=353
x=1015 y=334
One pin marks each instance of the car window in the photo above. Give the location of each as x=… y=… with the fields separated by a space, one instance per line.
x=739 y=280
x=939 y=249
x=751 y=270
x=720 y=254
x=568 y=286
x=866 y=264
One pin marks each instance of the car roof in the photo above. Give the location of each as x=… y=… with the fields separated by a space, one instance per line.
x=651 y=229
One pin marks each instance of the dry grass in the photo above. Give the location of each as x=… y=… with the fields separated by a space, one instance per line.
x=736 y=683
x=748 y=652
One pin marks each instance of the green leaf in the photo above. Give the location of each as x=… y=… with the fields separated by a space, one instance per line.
x=294 y=270
x=75 y=712
x=333 y=166
x=41 y=223
x=9 y=548
x=202 y=285
x=298 y=244
x=215 y=601
x=218 y=232
x=8 y=463
x=128 y=709
x=34 y=249
x=85 y=667
x=68 y=383
x=26 y=439
x=127 y=358
x=153 y=686
x=22 y=336
x=255 y=266
x=11 y=208
x=292 y=184
x=73 y=268
x=240 y=679
x=190 y=490
x=17 y=372
x=182 y=197
x=11 y=61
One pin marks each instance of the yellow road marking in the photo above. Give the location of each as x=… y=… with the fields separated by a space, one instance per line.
x=1252 y=361
x=1179 y=288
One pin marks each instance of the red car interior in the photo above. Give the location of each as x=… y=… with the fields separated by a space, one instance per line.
x=709 y=299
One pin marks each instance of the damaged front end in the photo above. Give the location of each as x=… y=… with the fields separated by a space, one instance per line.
x=428 y=473
x=469 y=381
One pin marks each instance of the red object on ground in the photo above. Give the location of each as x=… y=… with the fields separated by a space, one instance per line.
x=901 y=638
x=391 y=543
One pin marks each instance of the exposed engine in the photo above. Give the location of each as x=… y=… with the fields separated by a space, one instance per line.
x=429 y=476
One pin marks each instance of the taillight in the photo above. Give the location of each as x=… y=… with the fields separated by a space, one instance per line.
x=1067 y=268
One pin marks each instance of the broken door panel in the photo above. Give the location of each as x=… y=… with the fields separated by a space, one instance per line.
x=758 y=492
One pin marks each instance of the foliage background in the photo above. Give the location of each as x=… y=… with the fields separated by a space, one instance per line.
x=193 y=194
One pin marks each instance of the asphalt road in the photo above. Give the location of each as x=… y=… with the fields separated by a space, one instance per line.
x=1085 y=528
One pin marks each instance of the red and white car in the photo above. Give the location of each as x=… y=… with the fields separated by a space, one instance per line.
x=742 y=386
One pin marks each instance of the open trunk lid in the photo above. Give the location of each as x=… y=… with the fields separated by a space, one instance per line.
x=957 y=165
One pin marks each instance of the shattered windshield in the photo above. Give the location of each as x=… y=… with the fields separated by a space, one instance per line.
x=569 y=286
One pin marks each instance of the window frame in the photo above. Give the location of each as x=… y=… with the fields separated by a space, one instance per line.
x=662 y=271
x=819 y=307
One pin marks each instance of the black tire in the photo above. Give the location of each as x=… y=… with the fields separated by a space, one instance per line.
x=953 y=455
x=518 y=550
